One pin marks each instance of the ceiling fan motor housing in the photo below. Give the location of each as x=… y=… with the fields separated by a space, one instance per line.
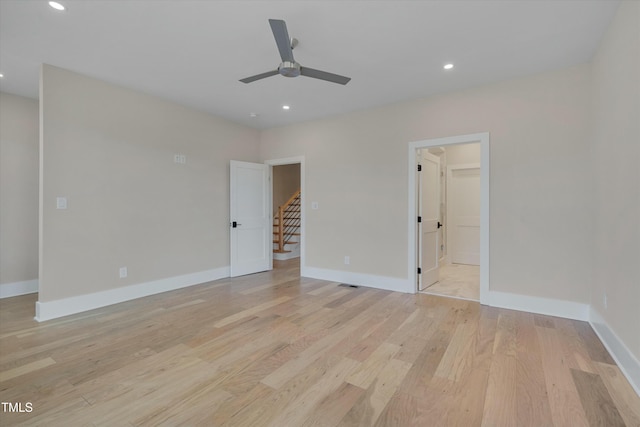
x=289 y=69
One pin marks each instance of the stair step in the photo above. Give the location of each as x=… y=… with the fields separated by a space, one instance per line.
x=288 y=234
x=281 y=252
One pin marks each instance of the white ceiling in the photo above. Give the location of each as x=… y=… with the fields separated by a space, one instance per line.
x=194 y=52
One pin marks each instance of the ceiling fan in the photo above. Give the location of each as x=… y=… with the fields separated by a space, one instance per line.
x=289 y=67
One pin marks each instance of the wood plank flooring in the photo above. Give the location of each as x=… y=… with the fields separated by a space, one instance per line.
x=274 y=349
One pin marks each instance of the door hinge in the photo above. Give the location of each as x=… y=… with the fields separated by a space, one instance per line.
x=419 y=219
x=419 y=168
x=419 y=270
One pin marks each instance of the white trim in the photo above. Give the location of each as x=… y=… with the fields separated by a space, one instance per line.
x=72 y=305
x=539 y=305
x=626 y=361
x=8 y=290
x=368 y=280
x=303 y=203
x=483 y=139
x=287 y=255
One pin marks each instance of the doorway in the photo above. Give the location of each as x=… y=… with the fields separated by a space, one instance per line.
x=470 y=226
x=287 y=181
x=286 y=211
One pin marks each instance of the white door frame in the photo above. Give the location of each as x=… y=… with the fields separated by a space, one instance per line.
x=483 y=139
x=303 y=195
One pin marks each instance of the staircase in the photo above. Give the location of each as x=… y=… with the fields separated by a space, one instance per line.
x=286 y=229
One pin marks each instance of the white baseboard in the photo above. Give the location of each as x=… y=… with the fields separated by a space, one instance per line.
x=538 y=305
x=292 y=247
x=64 y=307
x=626 y=361
x=286 y=256
x=8 y=290
x=360 y=279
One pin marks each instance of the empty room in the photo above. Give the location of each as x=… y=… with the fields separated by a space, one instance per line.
x=320 y=213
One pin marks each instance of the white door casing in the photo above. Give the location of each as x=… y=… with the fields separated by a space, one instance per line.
x=250 y=216
x=412 y=226
x=429 y=211
x=464 y=214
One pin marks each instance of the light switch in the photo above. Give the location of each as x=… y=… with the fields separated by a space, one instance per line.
x=314 y=205
x=61 y=203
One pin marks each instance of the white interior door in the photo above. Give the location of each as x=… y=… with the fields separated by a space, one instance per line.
x=464 y=218
x=250 y=215
x=429 y=211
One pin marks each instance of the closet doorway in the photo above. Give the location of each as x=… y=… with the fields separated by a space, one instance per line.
x=450 y=237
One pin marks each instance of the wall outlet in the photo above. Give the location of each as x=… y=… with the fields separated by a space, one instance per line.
x=180 y=158
x=123 y=272
x=346 y=260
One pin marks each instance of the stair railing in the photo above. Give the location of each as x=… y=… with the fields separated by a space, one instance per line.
x=288 y=220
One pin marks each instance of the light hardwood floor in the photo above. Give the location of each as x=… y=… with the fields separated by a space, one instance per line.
x=273 y=349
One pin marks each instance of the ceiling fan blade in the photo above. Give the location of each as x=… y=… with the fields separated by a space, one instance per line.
x=280 y=33
x=259 y=76
x=323 y=75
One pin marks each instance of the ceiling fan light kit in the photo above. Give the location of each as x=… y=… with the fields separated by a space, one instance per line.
x=289 y=67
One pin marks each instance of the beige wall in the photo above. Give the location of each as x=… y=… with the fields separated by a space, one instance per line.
x=18 y=189
x=110 y=151
x=286 y=181
x=541 y=224
x=616 y=104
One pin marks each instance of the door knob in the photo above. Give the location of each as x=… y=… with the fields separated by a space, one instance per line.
x=439 y=225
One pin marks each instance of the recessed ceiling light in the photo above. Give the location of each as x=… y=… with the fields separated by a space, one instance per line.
x=1 y=75
x=56 y=5
x=253 y=115
x=285 y=107
x=448 y=66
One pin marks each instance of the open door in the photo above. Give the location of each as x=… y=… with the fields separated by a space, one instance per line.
x=429 y=213
x=250 y=215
